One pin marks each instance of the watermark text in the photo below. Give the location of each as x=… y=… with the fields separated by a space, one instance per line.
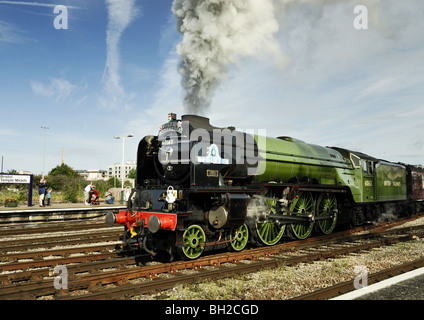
x=61 y=20
x=61 y=280
x=361 y=20
x=361 y=280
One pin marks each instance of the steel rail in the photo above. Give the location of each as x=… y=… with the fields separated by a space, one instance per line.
x=56 y=252
x=54 y=262
x=50 y=242
x=58 y=227
x=39 y=274
x=348 y=286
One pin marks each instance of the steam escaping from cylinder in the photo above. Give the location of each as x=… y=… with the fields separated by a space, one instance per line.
x=216 y=35
x=257 y=208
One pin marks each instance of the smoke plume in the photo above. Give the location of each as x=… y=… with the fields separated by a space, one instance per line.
x=216 y=35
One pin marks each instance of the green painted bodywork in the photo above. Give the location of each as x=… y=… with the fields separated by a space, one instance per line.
x=390 y=181
x=286 y=158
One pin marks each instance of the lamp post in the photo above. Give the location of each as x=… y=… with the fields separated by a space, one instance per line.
x=44 y=150
x=123 y=162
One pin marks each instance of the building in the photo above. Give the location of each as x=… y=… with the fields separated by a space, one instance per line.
x=93 y=175
x=116 y=170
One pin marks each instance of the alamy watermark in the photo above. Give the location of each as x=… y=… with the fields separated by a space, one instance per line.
x=61 y=20
x=361 y=20
x=61 y=280
x=361 y=280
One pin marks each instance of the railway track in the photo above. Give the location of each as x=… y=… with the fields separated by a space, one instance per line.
x=227 y=265
x=95 y=271
x=26 y=229
x=347 y=286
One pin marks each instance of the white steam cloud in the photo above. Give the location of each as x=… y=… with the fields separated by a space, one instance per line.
x=220 y=33
x=216 y=35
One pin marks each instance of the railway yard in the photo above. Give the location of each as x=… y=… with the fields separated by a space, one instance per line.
x=321 y=267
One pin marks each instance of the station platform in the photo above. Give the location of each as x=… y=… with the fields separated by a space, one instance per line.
x=407 y=286
x=56 y=211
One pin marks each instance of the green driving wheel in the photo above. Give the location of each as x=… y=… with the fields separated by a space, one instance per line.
x=194 y=238
x=327 y=206
x=303 y=206
x=270 y=233
x=239 y=237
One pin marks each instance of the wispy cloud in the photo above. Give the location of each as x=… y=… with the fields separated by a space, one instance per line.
x=10 y=33
x=121 y=13
x=58 y=88
x=34 y=4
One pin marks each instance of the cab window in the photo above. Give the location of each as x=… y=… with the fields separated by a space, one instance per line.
x=367 y=166
x=356 y=161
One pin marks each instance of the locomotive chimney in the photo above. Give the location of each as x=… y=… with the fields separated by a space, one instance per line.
x=197 y=121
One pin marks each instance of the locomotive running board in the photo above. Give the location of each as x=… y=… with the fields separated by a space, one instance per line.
x=319 y=189
x=310 y=188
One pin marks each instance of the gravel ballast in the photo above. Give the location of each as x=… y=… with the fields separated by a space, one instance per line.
x=287 y=282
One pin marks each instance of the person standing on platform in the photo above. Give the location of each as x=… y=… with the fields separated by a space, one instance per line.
x=42 y=191
x=87 y=191
x=49 y=194
x=45 y=192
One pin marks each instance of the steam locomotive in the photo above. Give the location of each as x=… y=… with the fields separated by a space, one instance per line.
x=201 y=187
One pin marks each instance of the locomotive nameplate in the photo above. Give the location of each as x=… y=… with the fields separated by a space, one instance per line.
x=212 y=156
x=212 y=173
x=172 y=126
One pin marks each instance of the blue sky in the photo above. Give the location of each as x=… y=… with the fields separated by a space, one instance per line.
x=114 y=71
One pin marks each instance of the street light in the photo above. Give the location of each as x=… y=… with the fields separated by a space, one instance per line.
x=123 y=156
x=44 y=150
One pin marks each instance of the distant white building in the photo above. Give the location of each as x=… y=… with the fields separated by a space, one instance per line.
x=117 y=170
x=93 y=175
x=96 y=175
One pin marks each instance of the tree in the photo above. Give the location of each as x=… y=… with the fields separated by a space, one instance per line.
x=132 y=174
x=63 y=169
x=64 y=178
